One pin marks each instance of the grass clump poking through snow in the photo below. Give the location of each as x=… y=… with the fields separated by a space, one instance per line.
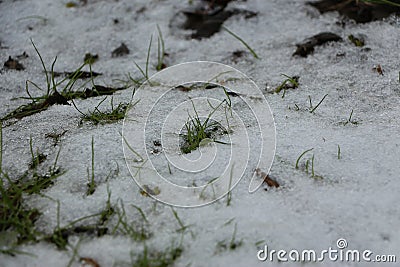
x=40 y=181
x=17 y=221
x=60 y=235
x=288 y=83
x=160 y=60
x=151 y=258
x=145 y=72
x=160 y=51
x=301 y=155
x=306 y=167
x=102 y=117
x=198 y=132
x=52 y=94
x=137 y=231
x=232 y=244
x=350 y=120
x=106 y=214
x=60 y=92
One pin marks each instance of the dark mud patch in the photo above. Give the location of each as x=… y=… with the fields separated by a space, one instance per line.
x=237 y=55
x=359 y=11
x=120 y=51
x=206 y=18
x=77 y=75
x=99 y=90
x=13 y=64
x=307 y=46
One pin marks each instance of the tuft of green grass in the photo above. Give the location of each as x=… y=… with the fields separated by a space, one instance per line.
x=17 y=221
x=152 y=258
x=242 y=41
x=350 y=120
x=182 y=226
x=103 y=117
x=91 y=182
x=135 y=230
x=55 y=92
x=232 y=244
x=198 y=131
x=160 y=51
x=60 y=235
x=356 y=41
x=211 y=182
x=106 y=214
x=307 y=164
x=129 y=81
x=301 y=155
x=339 y=155
x=36 y=159
x=291 y=82
x=60 y=92
x=145 y=72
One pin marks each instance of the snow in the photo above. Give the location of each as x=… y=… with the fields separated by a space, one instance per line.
x=356 y=199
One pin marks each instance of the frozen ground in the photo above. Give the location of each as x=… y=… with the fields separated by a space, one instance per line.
x=356 y=199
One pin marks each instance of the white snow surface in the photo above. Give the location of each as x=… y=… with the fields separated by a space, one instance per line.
x=356 y=199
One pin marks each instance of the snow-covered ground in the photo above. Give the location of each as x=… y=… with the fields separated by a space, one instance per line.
x=354 y=196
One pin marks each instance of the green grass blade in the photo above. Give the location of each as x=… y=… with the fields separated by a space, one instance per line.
x=242 y=41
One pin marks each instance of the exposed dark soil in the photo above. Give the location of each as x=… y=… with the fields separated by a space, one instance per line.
x=120 y=51
x=307 y=46
x=206 y=17
x=99 y=90
x=77 y=75
x=13 y=64
x=357 y=10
